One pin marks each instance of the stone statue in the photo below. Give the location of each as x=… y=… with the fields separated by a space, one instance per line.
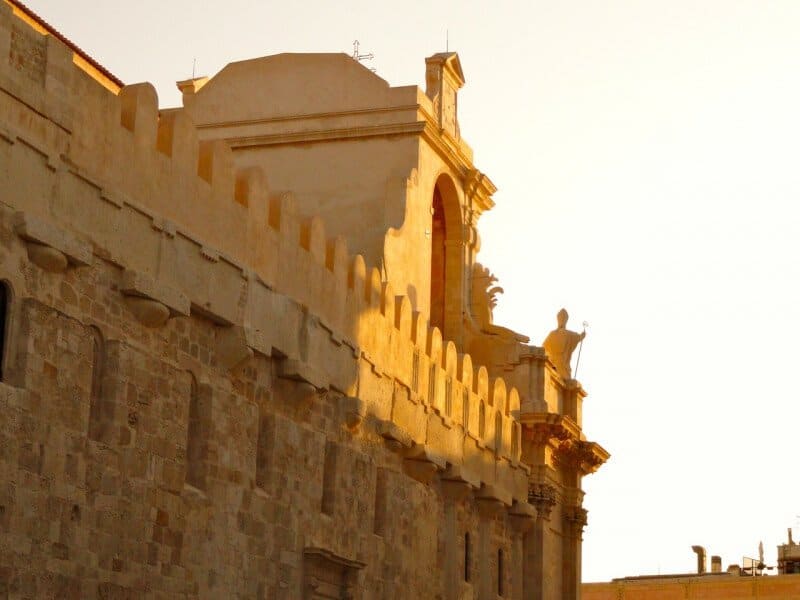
x=561 y=343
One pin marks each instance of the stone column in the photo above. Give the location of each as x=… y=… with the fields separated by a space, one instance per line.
x=574 y=522
x=454 y=492
x=536 y=584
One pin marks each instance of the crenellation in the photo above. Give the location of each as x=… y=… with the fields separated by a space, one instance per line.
x=138 y=105
x=373 y=295
x=387 y=304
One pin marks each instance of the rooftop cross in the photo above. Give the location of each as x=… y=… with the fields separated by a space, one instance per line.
x=359 y=57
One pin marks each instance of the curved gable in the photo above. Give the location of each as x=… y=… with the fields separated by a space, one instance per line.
x=286 y=85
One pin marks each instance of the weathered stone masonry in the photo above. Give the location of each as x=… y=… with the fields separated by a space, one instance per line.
x=203 y=396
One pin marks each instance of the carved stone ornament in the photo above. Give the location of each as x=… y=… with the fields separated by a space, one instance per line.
x=586 y=456
x=483 y=300
x=484 y=294
x=577 y=517
x=542 y=496
x=541 y=433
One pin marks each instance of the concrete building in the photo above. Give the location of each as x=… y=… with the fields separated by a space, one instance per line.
x=748 y=581
x=789 y=557
x=247 y=349
x=722 y=586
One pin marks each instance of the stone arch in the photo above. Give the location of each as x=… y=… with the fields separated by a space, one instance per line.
x=447 y=258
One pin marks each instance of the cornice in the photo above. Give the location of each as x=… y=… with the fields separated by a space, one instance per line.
x=563 y=434
x=544 y=428
x=585 y=456
x=477 y=185
x=455 y=153
x=310 y=116
x=307 y=137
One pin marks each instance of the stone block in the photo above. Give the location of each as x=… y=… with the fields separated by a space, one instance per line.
x=142 y=285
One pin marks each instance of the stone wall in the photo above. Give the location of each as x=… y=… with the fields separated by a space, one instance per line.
x=203 y=396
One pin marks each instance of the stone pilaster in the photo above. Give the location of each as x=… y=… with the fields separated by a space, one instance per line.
x=488 y=508
x=542 y=496
x=521 y=517
x=454 y=492
x=575 y=519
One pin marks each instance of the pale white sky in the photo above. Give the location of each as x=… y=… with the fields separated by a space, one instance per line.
x=646 y=154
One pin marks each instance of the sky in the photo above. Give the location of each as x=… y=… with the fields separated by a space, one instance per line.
x=646 y=154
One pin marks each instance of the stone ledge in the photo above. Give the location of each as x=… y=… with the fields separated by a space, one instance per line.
x=395 y=435
x=143 y=286
x=299 y=370
x=33 y=229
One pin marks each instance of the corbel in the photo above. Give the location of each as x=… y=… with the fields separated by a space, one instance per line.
x=232 y=347
x=354 y=411
x=456 y=484
x=152 y=302
x=299 y=370
x=396 y=438
x=49 y=247
x=492 y=494
x=422 y=464
x=491 y=501
x=522 y=516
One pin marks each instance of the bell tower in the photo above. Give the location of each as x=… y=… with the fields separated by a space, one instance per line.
x=443 y=79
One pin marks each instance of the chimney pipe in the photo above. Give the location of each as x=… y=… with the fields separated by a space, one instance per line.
x=716 y=564
x=701 y=559
x=791 y=542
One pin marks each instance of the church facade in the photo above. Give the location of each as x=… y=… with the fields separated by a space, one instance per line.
x=247 y=348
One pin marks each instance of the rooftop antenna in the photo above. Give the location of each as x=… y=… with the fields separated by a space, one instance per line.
x=361 y=57
x=194 y=66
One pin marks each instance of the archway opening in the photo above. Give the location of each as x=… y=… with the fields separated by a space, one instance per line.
x=438 y=264
x=447 y=259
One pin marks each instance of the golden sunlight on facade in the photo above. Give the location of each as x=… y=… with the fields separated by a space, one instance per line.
x=247 y=348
